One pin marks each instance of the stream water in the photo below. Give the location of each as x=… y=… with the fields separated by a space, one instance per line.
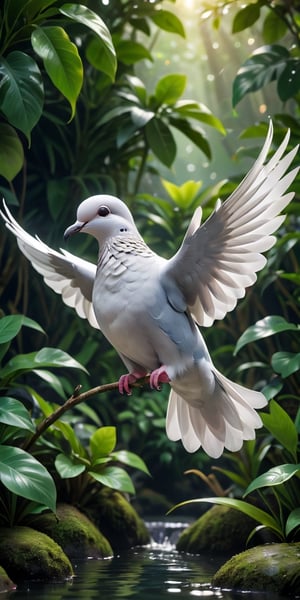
x=155 y=572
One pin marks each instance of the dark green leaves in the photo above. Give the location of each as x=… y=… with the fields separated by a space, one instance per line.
x=99 y=460
x=268 y=63
x=275 y=476
x=169 y=89
x=168 y=21
x=282 y=428
x=264 y=328
x=14 y=413
x=21 y=91
x=30 y=25
x=24 y=476
x=61 y=61
x=46 y=357
x=161 y=141
x=245 y=17
x=11 y=325
x=103 y=46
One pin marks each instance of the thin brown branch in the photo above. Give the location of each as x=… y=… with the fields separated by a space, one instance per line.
x=75 y=399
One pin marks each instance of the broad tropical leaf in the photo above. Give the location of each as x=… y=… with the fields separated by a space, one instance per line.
x=281 y=426
x=61 y=60
x=105 y=47
x=131 y=459
x=24 y=476
x=275 y=476
x=21 y=91
x=114 y=477
x=103 y=441
x=14 y=413
x=68 y=467
x=264 y=328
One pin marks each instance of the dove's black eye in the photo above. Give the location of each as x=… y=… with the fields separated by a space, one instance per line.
x=103 y=211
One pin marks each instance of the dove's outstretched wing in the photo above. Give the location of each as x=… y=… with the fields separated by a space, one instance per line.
x=66 y=274
x=219 y=259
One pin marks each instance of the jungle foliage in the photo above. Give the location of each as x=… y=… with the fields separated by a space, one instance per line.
x=76 y=119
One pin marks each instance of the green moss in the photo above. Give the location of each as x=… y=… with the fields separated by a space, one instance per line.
x=6 y=583
x=75 y=533
x=27 y=554
x=269 y=568
x=118 y=521
x=220 y=529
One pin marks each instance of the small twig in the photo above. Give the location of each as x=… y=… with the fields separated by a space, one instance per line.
x=76 y=398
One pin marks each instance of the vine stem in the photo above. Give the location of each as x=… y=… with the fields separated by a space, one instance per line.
x=75 y=399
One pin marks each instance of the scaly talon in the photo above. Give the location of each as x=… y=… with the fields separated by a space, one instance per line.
x=159 y=376
x=127 y=380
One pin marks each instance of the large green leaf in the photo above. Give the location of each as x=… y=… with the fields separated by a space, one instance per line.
x=293 y=521
x=21 y=91
x=14 y=413
x=168 y=22
x=11 y=152
x=275 y=476
x=246 y=17
x=169 y=88
x=161 y=141
x=131 y=459
x=281 y=426
x=24 y=476
x=68 y=467
x=195 y=110
x=105 y=47
x=103 y=441
x=255 y=513
x=130 y=52
x=47 y=357
x=265 y=65
x=116 y=478
x=61 y=60
x=11 y=325
x=264 y=328
x=286 y=363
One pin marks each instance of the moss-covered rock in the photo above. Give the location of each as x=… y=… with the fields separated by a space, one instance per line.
x=221 y=529
x=269 y=568
x=74 y=532
x=27 y=554
x=118 y=520
x=6 y=583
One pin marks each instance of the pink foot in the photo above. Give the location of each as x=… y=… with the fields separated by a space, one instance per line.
x=158 y=376
x=125 y=381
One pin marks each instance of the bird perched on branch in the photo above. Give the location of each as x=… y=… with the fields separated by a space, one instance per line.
x=149 y=308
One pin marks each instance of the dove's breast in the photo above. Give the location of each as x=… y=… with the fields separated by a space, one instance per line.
x=126 y=286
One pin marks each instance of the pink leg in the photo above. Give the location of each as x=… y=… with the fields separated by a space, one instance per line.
x=125 y=381
x=159 y=376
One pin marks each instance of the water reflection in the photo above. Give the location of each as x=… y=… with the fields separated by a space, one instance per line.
x=149 y=573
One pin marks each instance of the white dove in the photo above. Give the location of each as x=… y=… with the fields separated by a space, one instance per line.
x=149 y=307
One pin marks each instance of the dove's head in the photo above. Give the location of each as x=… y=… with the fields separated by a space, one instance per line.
x=103 y=216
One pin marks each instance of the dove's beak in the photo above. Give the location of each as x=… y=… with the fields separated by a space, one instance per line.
x=75 y=228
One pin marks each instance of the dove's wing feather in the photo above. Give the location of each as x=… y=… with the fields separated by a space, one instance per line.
x=219 y=259
x=66 y=274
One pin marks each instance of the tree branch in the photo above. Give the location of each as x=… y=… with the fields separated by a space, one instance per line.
x=76 y=398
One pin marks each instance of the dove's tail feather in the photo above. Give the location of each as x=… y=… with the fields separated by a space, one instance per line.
x=223 y=420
